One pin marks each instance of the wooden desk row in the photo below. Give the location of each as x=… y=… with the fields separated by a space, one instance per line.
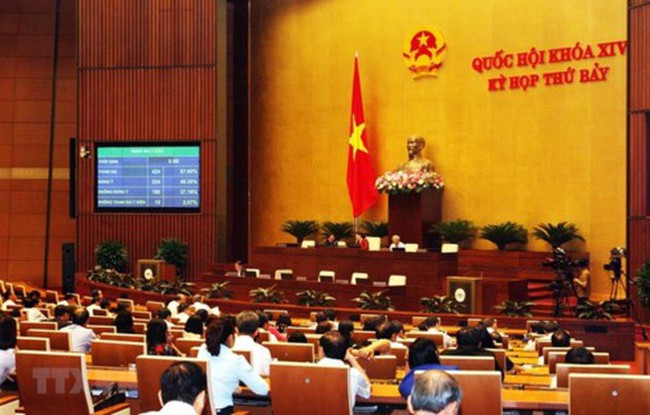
x=382 y=393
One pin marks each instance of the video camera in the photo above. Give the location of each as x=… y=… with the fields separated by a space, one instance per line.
x=615 y=264
x=561 y=263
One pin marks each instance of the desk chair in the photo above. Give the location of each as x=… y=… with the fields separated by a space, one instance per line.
x=360 y=336
x=364 y=317
x=194 y=352
x=481 y=391
x=25 y=326
x=59 y=340
x=57 y=383
x=374 y=243
x=341 y=244
x=411 y=247
x=124 y=337
x=358 y=276
x=139 y=328
x=185 y=345
x=97 y=320
x=252 y=272
x=101 y=330
x=275 y=313
x=542 y=343
x=608 y=394
x=33 y=343
x=20 y=291
x=437 y=338
x=99 y=312
x=397 y=281
x=304 y=330
x=146 y=315
x=554 y=358
x=400 y=355
x=86 y=300
x=315 y=385
x=473 y=322
x=308 y=244
x=154 y=307
x=482 y=363
x=500 y=356
x=380 y=368
x=565 y=369
x=417 y=320
x=51 y=296
x=548 y=350
x=314 y=339
x=245 y=353
x=449 y=249
x=116 y=353
x=326 y=276
x=291 y=352
x=283 y=274
x=151 y=368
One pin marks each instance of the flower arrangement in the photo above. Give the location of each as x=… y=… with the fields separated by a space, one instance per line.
x=399 y=182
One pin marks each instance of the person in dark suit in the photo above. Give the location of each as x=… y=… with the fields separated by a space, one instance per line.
x=472 y=342
x=330 y=241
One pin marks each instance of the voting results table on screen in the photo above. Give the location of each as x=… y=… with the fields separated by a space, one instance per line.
x=148 y=177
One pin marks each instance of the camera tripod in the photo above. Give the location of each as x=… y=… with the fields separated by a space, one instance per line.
x=620 y=280
x=563 y=290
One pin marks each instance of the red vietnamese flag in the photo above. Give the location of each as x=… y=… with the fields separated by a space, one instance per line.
x=361 y=177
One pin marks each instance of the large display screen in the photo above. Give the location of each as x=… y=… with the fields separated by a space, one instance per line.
x=154 y=177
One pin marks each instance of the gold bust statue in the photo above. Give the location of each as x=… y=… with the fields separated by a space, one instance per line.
x=416 y=162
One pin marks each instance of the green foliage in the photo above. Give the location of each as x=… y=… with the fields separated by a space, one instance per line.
x=439 y=304
x=340 y=230
x=455 y=231
x=111 y=255
x=267 y=295
x=516 y=308
x=376 y=229
x=373 y=301
x=300 y=229
x=111 y=277
x=597 y=311
x=557 y=235
x=174 y=287
x=642 y=284
x=505 y=233
x=314 y=298
x=173 y=251
x=218 y=290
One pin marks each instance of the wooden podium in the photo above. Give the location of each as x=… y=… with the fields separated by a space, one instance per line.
x=410 y=215
x=467 y=292
x=156 y=268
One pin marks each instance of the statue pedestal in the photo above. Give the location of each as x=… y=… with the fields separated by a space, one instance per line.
x=410 y=216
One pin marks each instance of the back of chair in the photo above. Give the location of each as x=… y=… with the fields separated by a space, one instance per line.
x=437 y=338
x=59 y=340
x=608 y=394
x=483 y=363
x=554 y=358
x=321 y=389
x=141 y=314
x=314 y=339
x=151 y=368
x=53 y=383
x=125 y=337
x=304 y=330
x=380 y=368
x=565 y=369
x=397 y=280
x=154 y=306
x=308 y=244
x=472 y=322
x=101 y=320
x=360 y=336
x=194 y=352
x=481 y=391
x=127 y=303
x=263 y=336
x=326 y=276
x=542 y=343
x=116 y=353
x=547 y=350
x=185 y=345
x=100 y=312
x=291 y=352
x=283 y=274
x=25 y=326
x=139 y=328
x=275 y=313
x=20 y=291
x=245 y=353
x=411 y=247
x=102 y=330
x=374 y=243
x=400 y=354
x=356 y=276
x=51 y=296
x=416 y=320
x=500 y=356
x=364 y=317
x=33 y=343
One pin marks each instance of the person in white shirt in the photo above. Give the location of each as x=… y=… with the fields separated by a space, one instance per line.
x=182 y=315
x=397 y=243
x=227 y=368
x=80 y=334
x=199 y=303
x=389 y=330
x=247 y=324
x=333 y=351
x=433 y=325
x=8 y=299
x=94 y=305
x=8 y=333
x=31 y=307
x=166 y=315
x=182 y=390
x=69 y=299
x=173 y=305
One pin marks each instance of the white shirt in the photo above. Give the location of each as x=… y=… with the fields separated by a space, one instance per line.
x=200 y=306
x=64 y=302
x=91 y=308
x=182 y=317
x=7 y=363
x=34 y=314
x=358 y=385
x=215 y=310
x=6 y=304
x=226 y=371
x=173 y=307
x=260 y=355
x=447 y=341
x=174 y=408
x=399 y=245
x=81 y=337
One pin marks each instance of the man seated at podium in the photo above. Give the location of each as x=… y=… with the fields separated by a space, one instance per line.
x=330 y=241
x=416 y=162
x=396 y=243
x=361 y=241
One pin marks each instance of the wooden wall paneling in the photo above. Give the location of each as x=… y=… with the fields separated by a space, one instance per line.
x=640 y=57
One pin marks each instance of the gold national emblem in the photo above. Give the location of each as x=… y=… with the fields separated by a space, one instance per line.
x=424 y=51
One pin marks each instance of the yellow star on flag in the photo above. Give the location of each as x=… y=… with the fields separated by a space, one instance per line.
x=356 y=140
x=424 y=39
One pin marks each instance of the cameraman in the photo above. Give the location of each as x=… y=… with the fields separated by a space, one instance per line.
x=583 y=282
